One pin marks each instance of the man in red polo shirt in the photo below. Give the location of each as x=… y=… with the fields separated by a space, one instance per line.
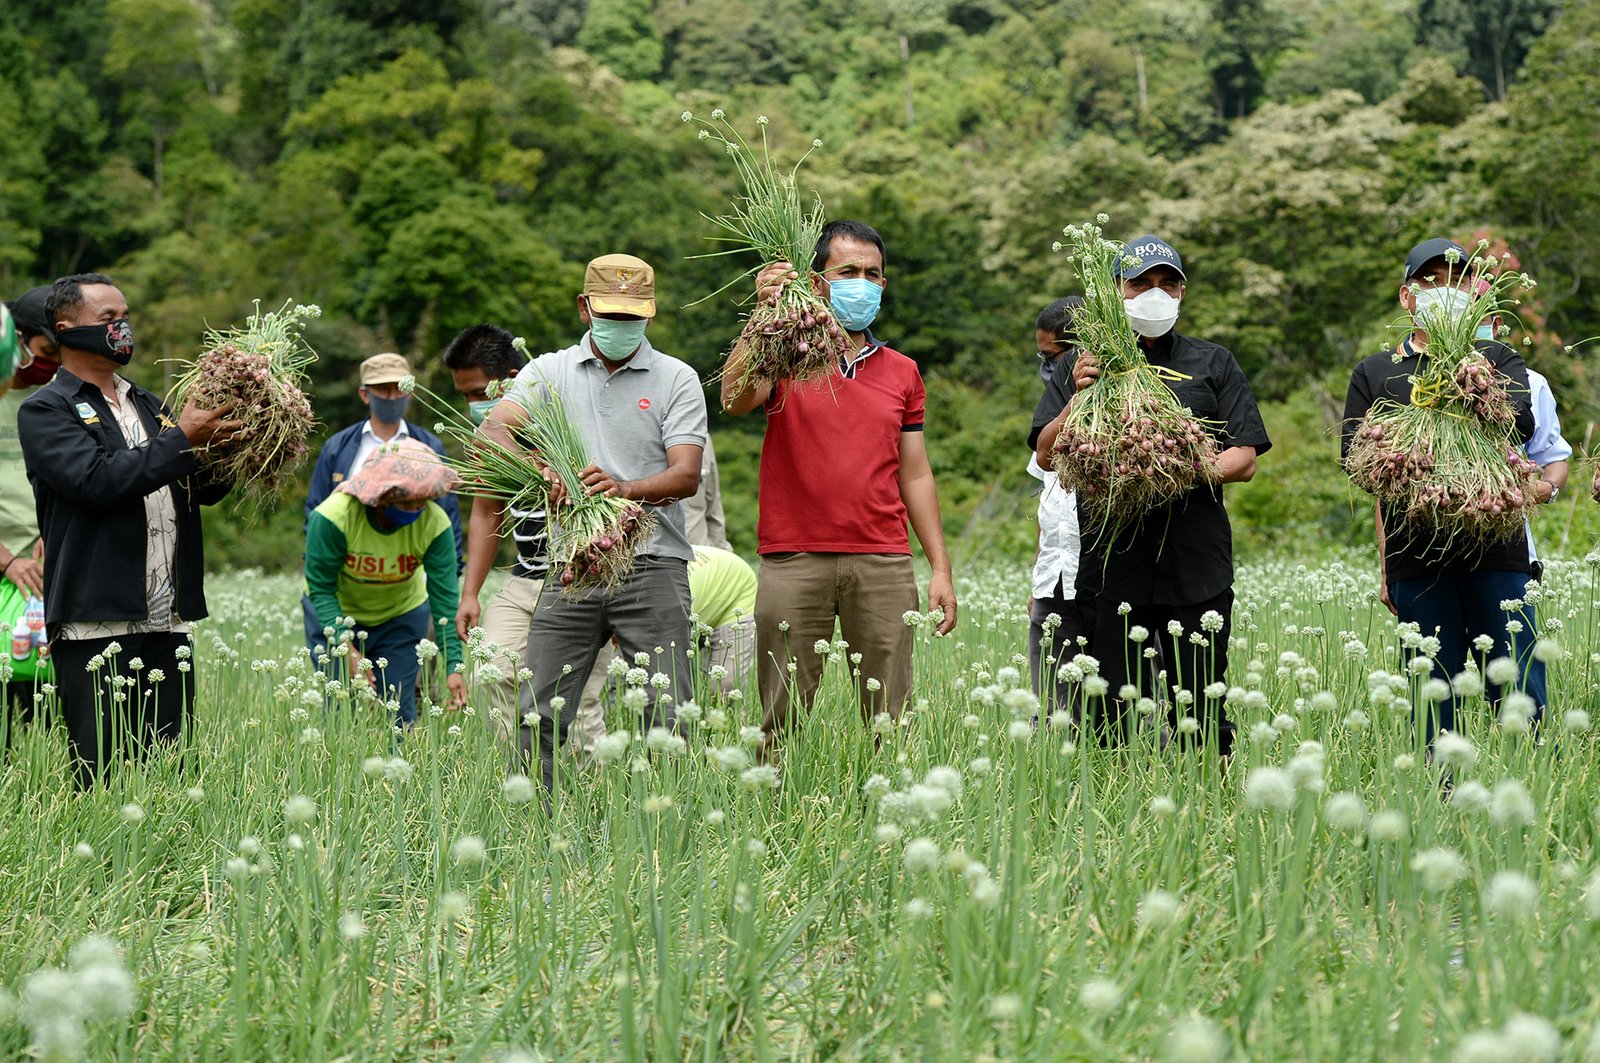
x=844 y=465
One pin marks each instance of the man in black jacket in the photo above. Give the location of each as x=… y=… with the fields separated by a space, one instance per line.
x=118 y=490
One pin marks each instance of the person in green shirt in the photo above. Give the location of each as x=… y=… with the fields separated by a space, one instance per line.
x=35 y=361
x=722 y=593
x=381 y=552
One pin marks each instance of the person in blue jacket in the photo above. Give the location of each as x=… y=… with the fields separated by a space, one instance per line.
x=349 y=448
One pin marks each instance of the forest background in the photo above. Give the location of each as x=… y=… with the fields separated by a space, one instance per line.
x=416 y=167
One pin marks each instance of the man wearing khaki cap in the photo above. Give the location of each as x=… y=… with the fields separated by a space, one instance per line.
x=642 y=418
x=349 y=448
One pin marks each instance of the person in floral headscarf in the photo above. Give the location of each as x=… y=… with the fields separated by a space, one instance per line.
x=368 y=547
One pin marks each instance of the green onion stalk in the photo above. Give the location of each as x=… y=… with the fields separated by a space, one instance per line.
x=488 y=468
x=1449 y=461
x=261 y=369
x=797 y=338
x=1127 y=445
x=594 y=539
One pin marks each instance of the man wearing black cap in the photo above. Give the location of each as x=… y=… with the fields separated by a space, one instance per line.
x=1172 y=574
x=1452 y=593
x=1053 y=332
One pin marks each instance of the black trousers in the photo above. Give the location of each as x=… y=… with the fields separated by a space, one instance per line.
x=1045 y=657
x=1189 y=665
x=103 y=727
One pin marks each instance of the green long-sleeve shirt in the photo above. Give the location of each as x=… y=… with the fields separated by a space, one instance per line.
x=356 y=569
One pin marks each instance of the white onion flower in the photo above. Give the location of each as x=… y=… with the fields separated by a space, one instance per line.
x=1346 y=812
x=1269 y=788
x=1439 y=868
x=921 y=855
x=1511 y=805
x=1511 y=895
x=468 y=851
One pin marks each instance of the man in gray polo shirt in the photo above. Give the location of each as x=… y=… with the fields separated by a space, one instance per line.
x=642 y=416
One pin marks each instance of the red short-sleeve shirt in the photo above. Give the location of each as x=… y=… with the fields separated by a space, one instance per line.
x=830 y=466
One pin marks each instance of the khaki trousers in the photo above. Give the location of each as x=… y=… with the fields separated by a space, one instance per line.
x=733 y=646
x=506 y=620
x=868 y=595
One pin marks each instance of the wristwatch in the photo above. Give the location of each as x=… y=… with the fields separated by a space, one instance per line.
x=1555 y=492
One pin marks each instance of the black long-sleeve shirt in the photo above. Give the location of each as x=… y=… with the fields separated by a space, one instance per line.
x=89 y=488
x=1181 y=553
x=1411 y=552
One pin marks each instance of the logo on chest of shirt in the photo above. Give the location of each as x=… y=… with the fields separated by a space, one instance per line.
x=371 y=568
x=644 y=404
x=86 y=412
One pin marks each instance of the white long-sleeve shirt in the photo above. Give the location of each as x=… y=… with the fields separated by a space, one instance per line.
x=1059 y=542
x=1547 y=445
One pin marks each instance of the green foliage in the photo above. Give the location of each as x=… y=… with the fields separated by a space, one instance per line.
x=466 y=261
x=622 y=35
x=1361 y=45
x=1491 y=36
x=721 y=44
x=412 y=167
x=1541 y=170
x=1294 y=504
x=1286 y=236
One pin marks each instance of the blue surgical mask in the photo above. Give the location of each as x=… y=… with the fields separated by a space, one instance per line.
x=389 y=411
x=479 y=409
x=401 y=517
x=1486 y=332
x=617 y=340
x=855 y=301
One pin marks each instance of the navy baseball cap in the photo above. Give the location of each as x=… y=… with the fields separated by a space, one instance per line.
x=1429 y=250
x=28 y=309
x=1151 y=251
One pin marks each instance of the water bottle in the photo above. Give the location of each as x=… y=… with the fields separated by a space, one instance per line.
x=21 y=640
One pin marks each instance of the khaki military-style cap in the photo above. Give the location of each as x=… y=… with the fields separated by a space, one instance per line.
x=384 y=369
x=620 y=284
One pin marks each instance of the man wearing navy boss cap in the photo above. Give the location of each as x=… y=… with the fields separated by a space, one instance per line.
x=1174 y=570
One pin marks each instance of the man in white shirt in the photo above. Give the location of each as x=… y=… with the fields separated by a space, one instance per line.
x=1056 y=608
x=1547 y=449
x=1056 y=621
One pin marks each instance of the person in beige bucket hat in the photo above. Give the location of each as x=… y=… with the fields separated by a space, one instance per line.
x=350 y=448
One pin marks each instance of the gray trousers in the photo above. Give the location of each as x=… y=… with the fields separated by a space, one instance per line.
x=649 y=611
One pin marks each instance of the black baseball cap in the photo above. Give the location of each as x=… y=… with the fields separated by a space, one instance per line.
x=28 y=311
x=1151 y=251
x=1429 y=250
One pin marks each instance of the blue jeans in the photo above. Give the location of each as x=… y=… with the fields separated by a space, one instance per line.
x=396 y=641
x=1457 y=608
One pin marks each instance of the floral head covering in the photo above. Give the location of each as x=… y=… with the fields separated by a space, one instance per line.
x=405 y=471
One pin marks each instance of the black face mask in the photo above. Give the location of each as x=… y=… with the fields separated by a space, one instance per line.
x=113 y=340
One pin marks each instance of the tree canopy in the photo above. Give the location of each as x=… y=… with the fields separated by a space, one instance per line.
x=414 y=167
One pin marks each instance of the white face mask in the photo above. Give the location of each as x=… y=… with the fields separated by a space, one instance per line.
x=1441 y=304
x=1152 y=313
